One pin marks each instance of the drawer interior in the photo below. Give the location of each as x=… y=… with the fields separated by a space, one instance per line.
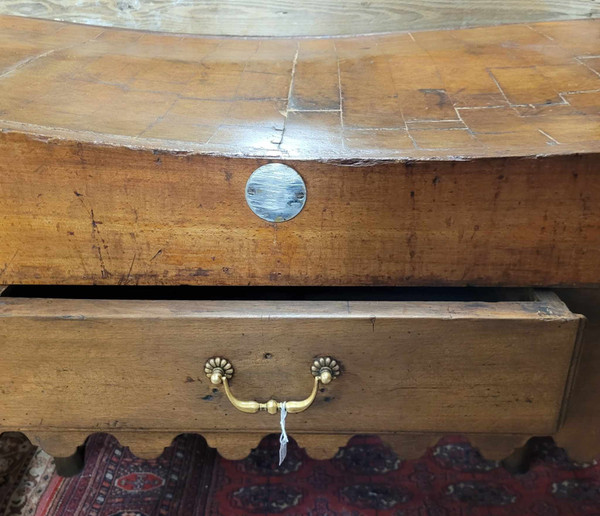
x=166 y=293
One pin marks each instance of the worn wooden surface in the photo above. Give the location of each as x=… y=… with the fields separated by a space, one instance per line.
x=581 y=431
x=79 y=213
x=288 y=18
x=517 y=90
x=412 y=148
x=85 y=366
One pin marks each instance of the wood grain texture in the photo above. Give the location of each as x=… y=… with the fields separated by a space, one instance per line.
x=73 y=213
x=408 y=367
x=307 y=18
x=125 y=156
x=515 y=90
x=580 y=434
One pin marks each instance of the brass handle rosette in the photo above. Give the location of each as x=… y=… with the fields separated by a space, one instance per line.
x=220 y=370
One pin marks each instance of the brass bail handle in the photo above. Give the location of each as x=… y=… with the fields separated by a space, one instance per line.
x=220 y=370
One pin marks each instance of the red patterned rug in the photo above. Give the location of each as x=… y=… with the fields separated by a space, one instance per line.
x=364 y=479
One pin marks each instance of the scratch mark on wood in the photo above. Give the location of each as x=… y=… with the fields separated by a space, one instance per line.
x=289 y=96
x=582 y=59
x=24 y=62
x=498 y=86
x=552 y=140
x=339 y=78
x=125 y=281
x=99 y=243
x=7 y=265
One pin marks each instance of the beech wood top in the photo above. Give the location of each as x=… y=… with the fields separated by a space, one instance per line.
x=514 y=90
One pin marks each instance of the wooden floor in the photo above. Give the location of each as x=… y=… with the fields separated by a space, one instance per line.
x=305 y=18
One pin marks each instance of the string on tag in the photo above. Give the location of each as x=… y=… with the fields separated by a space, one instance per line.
x=283 y=438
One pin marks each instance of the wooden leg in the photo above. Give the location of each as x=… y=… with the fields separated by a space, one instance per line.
x=518 y=462
x=73 y=465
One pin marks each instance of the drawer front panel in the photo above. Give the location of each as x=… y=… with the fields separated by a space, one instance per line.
x=406 y=366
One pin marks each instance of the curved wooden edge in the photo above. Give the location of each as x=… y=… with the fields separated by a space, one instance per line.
x=64 y=444
x=461 y=105
x=72 y=465
x=237 y=446
x=233 y=446
x=322 y=446
x=58 y=444
x=497 y=447
x=491 y=446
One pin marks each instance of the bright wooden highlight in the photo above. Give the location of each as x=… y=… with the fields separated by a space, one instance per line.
x=290 y=18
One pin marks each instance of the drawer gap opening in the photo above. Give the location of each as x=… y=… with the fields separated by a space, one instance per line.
x=488 y=295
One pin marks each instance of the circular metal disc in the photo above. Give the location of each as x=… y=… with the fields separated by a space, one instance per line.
x=275 y=192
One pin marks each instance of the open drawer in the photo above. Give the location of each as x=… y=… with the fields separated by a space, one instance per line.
x=462 y=360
